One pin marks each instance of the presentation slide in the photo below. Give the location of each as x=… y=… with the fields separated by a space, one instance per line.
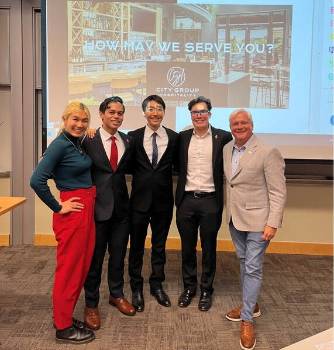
x=274 y=58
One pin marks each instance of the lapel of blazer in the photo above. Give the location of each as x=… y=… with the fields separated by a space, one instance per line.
x=249 y=152
x=228 y=160
x=125 y=140
x=168 y=145
x=100 y=151
x=215 y=142
x=187 y=137
x=141 y=145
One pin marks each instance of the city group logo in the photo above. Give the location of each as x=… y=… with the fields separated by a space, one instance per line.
x=176 y=76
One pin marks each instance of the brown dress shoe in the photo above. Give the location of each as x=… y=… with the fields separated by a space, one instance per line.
x=234 y=315
x=247 y=335
x=122 y=305
x=92 y=318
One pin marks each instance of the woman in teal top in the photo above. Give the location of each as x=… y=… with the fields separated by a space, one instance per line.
x=65 y=162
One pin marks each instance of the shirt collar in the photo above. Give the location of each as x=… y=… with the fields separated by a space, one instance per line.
x=246 y=145
x=208 y=132
x=149 y=132
x=106 y=136
x=73 y=139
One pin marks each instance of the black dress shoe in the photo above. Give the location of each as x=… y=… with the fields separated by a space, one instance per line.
x=161 y=296
x=205 y=301
x=78 y=323
x=138 y=300
x=186 y=297
x=74 y=335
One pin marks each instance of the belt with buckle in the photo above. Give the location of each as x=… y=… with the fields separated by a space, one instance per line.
x=198 y=194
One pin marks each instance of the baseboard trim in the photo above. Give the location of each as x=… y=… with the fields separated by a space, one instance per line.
x=301 y=248
x=45 y=239
x=4 y=240
x=225 y=245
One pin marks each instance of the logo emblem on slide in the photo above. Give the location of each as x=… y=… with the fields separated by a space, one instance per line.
x=176 y=76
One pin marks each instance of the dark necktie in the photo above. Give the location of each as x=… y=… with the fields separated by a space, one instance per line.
x=154 y=150
x=113 y=154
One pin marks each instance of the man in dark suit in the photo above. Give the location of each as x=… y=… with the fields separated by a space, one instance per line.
x=154 y=150
x=199 y=199
x=110 y=153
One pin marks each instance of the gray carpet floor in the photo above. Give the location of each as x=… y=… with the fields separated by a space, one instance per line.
x=296 y=302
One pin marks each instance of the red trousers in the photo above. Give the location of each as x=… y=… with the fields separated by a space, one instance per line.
x=75 y=234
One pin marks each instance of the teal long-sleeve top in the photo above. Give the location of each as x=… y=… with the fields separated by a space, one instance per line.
x=65 y=162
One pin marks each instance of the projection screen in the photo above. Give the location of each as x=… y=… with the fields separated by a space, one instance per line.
x=274 y=58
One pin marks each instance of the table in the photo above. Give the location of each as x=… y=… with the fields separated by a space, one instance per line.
x=8 y=203
x=320 y=341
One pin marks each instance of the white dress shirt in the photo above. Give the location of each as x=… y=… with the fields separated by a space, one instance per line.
x=199 y=170
x=161 y=139
x=237 y=153
x=106 y=140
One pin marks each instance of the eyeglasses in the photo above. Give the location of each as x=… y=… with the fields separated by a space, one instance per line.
x=201 y=113
x=152 y=109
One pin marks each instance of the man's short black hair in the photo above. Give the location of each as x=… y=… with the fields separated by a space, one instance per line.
x=155 y=98
x=112 y=99
x=200 y=99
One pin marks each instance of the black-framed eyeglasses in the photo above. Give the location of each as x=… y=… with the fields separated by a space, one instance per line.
x=200 y=113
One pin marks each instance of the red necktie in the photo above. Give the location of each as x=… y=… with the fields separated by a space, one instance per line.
x=113 y=154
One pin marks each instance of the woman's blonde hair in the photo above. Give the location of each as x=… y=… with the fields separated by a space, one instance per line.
x=71 y=108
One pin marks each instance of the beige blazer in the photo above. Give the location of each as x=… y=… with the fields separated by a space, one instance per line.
x=256 y=193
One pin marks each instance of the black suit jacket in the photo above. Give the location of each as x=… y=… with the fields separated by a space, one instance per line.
x=219 y=139
x=152 y=186
x=111 y=192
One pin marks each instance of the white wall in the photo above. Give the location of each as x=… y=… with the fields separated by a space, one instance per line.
x=308 y=215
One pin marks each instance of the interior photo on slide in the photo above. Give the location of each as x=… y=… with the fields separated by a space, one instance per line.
x=191 y=50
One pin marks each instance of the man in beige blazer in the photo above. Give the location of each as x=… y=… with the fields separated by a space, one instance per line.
x=256 y=194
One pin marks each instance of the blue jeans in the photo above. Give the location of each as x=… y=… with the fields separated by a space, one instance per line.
x=250 y=249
